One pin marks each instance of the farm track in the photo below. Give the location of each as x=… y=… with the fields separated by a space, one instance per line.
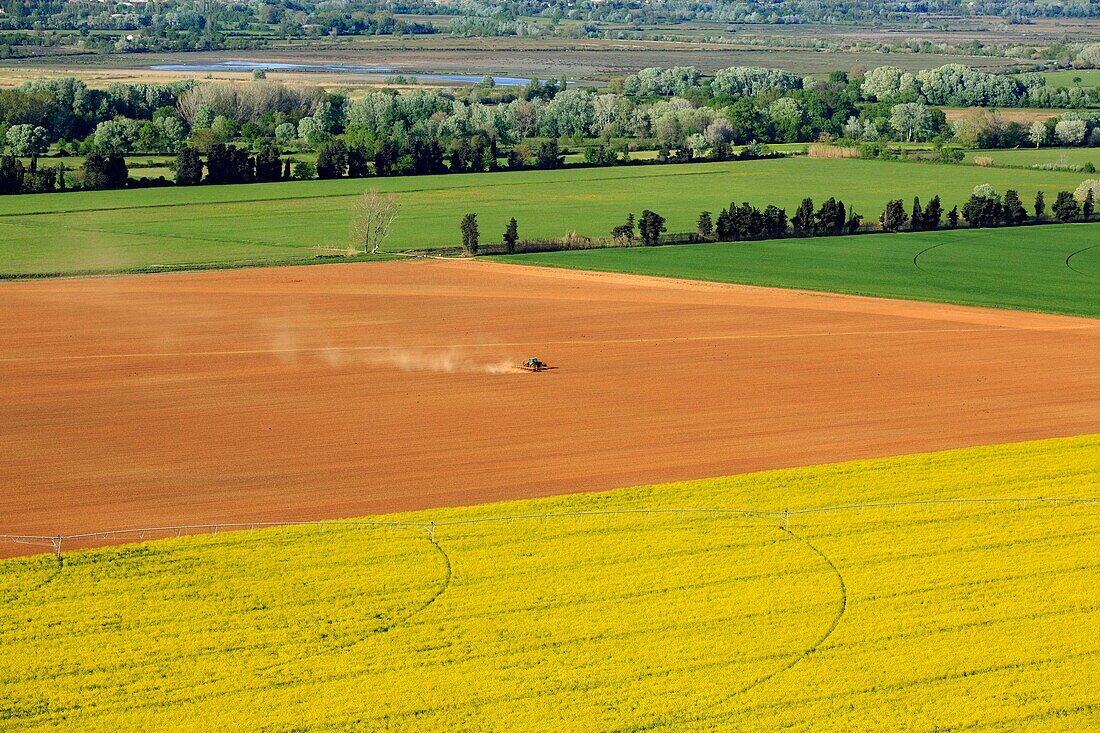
x=317 y=393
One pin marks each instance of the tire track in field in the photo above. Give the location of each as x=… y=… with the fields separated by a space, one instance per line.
x=937 y=276
x=443 y=586
x=208 y=695
x=195 y=238
x=390 y=625
x=20 y=594
x=962 y=239
x=842 y=606
x=1074 y=254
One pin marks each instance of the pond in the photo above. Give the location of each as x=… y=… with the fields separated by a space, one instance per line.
x=504 y=81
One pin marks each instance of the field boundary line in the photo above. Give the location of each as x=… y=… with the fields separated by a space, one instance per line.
x=138 y=534
x=366 y=182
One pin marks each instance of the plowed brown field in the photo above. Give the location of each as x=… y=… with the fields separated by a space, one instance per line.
x=338 y=391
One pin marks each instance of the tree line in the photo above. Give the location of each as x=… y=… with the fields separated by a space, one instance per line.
x=984 y=208
x=675 y=112
x=230 y=164
x=663 y=106
x=189 y=25
x=101 y=171
x=744 y=222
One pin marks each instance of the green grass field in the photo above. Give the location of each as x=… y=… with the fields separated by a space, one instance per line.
x=1051 y=268
x=1089 y=78
x=1028 y=157
x=113 y=231
x=140 y=165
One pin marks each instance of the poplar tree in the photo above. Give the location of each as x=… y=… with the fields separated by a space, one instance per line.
x=704 y=227
x=802 y=223
x=469 y=233
x=511 y=235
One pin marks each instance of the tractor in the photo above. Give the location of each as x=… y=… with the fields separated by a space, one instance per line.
x=533 y=365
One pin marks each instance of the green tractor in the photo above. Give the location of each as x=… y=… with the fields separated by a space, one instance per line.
x=533 y=365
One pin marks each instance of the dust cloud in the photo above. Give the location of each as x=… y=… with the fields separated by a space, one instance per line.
x=446 y=360
x=297 y=340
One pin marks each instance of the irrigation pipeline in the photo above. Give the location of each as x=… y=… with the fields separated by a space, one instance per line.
x=56 y=542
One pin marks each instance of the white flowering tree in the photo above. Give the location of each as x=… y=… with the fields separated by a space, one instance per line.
x=27 y=140
x=1038 y=133
x=1070 y=132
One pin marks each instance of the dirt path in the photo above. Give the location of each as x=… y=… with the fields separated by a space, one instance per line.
x=323 y=392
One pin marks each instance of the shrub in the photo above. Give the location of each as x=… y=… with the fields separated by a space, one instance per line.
x=41 y=180
x=12 y=173
x=704 y=226
x=104 y=171
x=575 y=240
x=625 y=232
x=304 y=170
x=332 y=159
x=984 y=161
x=952 y=155
x=1014 y=211
x=932 y=214
x=802 y=223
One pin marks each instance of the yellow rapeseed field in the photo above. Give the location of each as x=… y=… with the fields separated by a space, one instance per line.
x=976 y=616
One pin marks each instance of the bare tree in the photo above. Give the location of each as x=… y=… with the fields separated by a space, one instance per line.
x=247 y=102
x=374 y=215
